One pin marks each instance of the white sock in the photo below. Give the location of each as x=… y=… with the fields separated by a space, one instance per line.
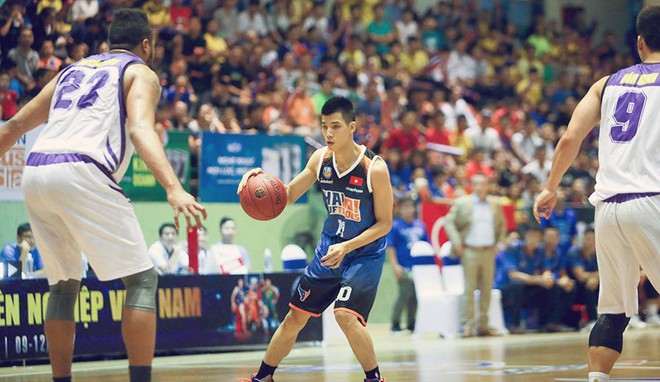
x=595 y=376
x=651 y=310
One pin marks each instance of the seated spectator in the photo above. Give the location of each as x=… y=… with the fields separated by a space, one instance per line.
x=165 y=252
x=300 y=109
x=459 y=138
x=370 y=105
x=24 y=250
x=556 y=264
x=26 y=58
x=253 y=123
x=251 y=22
x=436 y=131
x=228 y=121
x=583 y=268
x=82 y=10
x=8 y=98
x=229 y=258
x=47 y=58
x=524 y=284
x=158 y=14
x=407 y=137
x=525 y=142
x=484 y=136
x=539 y=167
x=324 y=94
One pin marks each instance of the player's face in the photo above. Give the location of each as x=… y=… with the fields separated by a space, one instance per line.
x=336 y=132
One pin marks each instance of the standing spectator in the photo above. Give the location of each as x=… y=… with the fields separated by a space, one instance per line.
x=24 y=250
x=230 y=258
x=475 y=226
x=25 y=57
x=564 y=219
x=164 y=253
x=583 y=268
x=8 y=98
x=407 y=230
x=47 y=57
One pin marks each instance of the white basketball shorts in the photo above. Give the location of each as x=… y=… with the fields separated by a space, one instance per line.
x=74 y=208
x=627 y=237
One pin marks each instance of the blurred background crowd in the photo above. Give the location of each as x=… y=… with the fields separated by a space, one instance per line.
x=442 y=95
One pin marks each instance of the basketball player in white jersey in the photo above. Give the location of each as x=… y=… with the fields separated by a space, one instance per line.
x=627 y=193
x=98 y=110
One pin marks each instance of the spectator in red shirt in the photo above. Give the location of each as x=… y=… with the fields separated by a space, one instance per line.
x=8 y=98
x=478 y=164
x=437 y=131
x=407 y=137
x=180 y=15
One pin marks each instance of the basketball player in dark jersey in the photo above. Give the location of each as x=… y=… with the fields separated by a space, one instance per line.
x=350 y=254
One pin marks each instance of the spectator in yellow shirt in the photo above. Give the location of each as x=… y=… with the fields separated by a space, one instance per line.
x=414 y=59
x=158 y=14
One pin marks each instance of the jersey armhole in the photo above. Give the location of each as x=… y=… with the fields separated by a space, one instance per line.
x=373 y=160
x=318 y=170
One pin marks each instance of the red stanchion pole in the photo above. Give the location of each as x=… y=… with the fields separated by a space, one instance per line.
x=193 y=250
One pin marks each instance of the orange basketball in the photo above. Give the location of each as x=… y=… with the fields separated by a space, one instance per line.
x=263 y=197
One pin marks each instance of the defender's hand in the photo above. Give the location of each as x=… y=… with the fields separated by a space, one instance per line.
x=184 y=203
x=544 y=204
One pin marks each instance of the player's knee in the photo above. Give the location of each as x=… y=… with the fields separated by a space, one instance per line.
x=608 y=331
x=345 y=319
x=295 y=320
x=141 y=290
x=62 y=300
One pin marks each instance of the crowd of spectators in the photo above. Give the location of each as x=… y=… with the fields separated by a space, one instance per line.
x=441 y=95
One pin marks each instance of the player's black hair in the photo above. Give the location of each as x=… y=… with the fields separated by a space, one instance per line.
x=128 y=28
x=342 y=105
x=166 y=225
x=224 y=220
x=648 y=26
x=23 y=228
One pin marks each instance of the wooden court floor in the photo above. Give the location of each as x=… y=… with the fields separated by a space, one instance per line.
x=529 y=357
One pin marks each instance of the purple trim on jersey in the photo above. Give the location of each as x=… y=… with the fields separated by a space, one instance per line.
x=112 y=154
x=622 y=198
x=632 y=81
x=45 y=159
x=119 y=190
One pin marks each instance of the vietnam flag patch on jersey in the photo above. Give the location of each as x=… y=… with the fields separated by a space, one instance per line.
x=356 y=181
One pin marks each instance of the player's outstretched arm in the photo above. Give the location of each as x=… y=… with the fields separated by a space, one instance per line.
x=585 y=117
x=383 y=205
x=30 y=116
x=143 y=92
x=303 y=181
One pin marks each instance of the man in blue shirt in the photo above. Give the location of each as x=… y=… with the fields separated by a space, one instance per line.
x=583 y=267
x=407 y=229
x=25 y=251
x=565 y=220
x=525 y=284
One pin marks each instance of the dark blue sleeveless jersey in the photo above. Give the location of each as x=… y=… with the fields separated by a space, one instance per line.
x=349 y=199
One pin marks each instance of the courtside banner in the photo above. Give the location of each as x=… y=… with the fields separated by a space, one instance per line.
x=194 y=312
x=12 y=165
x=226 y=157
x=140 y=184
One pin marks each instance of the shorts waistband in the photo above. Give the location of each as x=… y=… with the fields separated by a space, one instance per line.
x=36 y=159
x=622 y=198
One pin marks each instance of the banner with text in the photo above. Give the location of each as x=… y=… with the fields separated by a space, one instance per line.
x=12 y=165
x=194 y=312
x=226 y=157
x=140 y=184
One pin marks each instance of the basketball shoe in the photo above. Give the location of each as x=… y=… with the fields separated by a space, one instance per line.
x=382 y=379
x=253 y=378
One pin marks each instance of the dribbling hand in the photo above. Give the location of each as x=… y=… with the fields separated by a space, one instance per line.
x=247 y=176
x=544 y=204
x=335 y=255
x=184 y=203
